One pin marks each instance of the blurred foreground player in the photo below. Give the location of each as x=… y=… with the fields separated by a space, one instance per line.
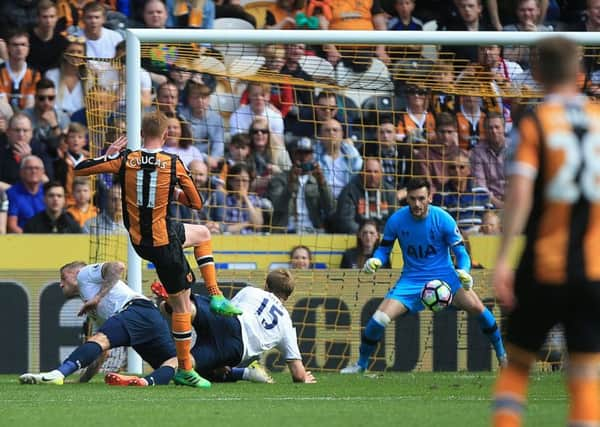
x=553 y=196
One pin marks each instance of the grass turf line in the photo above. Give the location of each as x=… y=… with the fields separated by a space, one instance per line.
x=407 y=399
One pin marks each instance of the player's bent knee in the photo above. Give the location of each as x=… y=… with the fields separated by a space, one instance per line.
x=100 y=339
x=195 y=234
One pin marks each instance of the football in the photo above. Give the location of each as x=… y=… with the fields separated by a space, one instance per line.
x=436 y=295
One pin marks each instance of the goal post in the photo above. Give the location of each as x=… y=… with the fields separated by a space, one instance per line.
x=135 y=38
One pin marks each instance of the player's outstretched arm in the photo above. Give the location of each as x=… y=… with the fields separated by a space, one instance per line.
x=299 y=373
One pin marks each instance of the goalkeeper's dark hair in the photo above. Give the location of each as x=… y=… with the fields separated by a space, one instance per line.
x=418 y=182
x=281 y=283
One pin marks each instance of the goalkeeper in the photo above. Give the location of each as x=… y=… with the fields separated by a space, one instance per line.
x=426 y=235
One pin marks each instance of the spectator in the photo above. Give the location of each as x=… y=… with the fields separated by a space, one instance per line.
x=529 y=19
x=430 y=160
x=259 y=106
x=505 y=74
x=396 y=157
x=167 y=97
x=67 y=78
x=82 y=209
x=404 y=20
x=18 y=143
x=469 y=19
x=47 y=44
x=179 y=140
x=212 y=210
x=268 y=156
x=417 y=125
x=282 y=15
x=366 y=196
x=110 y=220
x=200 y=14
x=302 y=200
x=487 y=160
x=461 y=198
x=237 y=152
x=349 y=15
x=591 y=23
x=470 y=120
x=3 y=210
x=338 y=158
x=100 y=41
x=53 y=219
x=325 y=108
x=49 y=123
x=300 y=257
x=70 y=157
x=302 y=109
x=26 y=197
x=367 y=240
x=19 y=93
x=154 y=14
x=206 y=124
x=490 y=224
x=114 y=76
x=243 y=210
x=442 y=99
x=282 y=95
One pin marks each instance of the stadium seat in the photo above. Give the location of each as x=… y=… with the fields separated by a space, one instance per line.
x=375 y=78
x=244 y=66
x=232 y=50
x=208 y=64
x=318 y=68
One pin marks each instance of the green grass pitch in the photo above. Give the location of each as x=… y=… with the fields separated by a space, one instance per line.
x=389 y=399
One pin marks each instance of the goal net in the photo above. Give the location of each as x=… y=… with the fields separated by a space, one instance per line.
x=230 y=93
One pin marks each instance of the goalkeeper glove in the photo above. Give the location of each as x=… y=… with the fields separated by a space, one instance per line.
x=466 y=280
x=371 y=265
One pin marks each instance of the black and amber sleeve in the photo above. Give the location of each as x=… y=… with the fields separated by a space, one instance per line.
x=100 y=165
x=191 y=196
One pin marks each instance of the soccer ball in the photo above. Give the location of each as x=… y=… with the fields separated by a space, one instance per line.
x=436 y=295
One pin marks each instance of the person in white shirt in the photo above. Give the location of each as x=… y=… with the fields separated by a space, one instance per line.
x=124 y=318
x=231 y=341
x=100 y=42
x=258 y=96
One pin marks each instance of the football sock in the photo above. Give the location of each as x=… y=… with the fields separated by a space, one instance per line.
x=371 y=336
x=238 y=374
x=161 y=376
x=582 y=373
x=81 y=357
x=488 y=325
x=181 y=324
x=509 y=396
x=206 y=263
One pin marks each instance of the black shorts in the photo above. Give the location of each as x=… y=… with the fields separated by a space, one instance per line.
x=540 y=307
x=169 y=260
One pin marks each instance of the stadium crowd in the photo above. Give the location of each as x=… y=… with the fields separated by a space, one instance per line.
x=284 y=158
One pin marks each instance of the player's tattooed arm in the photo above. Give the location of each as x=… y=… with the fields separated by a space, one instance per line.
x=111 y=273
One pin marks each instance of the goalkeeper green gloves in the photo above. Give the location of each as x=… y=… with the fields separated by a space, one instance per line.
x=466 y=280
x=371 y=265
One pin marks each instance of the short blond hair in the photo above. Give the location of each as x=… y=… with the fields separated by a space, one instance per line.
x=154 y=124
